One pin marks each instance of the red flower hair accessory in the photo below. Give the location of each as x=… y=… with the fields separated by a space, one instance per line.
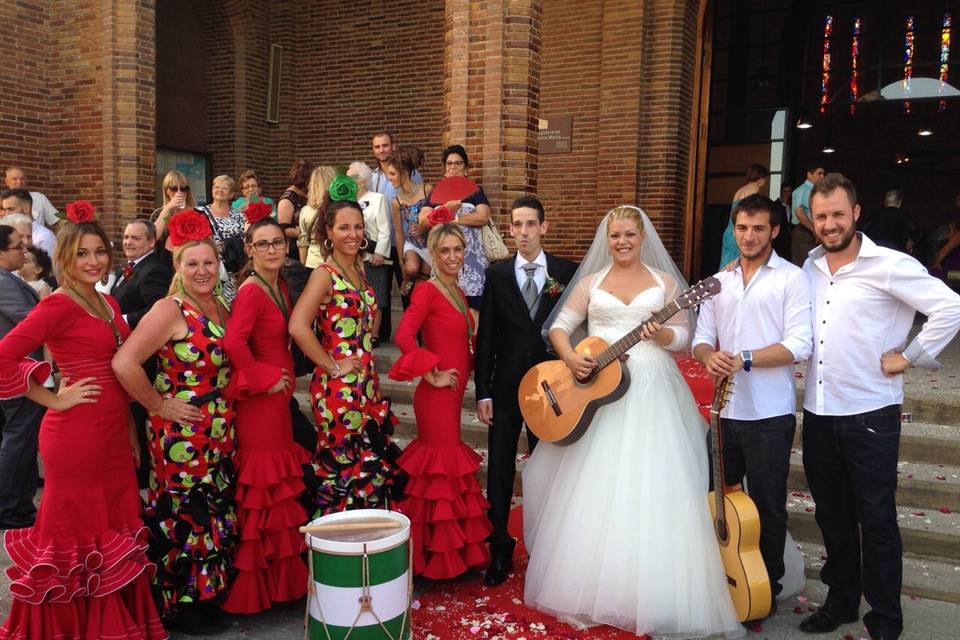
x=257 y=211
x=188 y=225
x=80 y=211
x=439 y=215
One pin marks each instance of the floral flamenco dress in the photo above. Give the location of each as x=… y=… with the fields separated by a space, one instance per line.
x=269 y=463
x=81 y=571
x=443 y=499
x=190 y=505
x=355 y=465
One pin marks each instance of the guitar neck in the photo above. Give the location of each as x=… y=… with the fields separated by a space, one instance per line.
x=622 y=345
x=718 y=475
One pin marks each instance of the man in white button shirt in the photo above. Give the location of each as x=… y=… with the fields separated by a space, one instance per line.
x=43 y=210
x=761 y=322
x=865 y=298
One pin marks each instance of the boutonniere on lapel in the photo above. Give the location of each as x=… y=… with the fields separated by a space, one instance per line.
x=127 y=271
x=553 y=288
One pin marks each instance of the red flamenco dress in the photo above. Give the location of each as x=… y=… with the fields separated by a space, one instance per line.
x=355 y=465
x=443 y=498
x=81 y=571
x=269 y=474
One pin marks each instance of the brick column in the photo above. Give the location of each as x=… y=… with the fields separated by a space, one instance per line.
x=666 y=102
x=129 y=109
x=492 y=87
x=618 y=126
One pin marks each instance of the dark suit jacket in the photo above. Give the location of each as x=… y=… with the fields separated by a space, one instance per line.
x=509 y=342
x=149 y=283
x=17 y=299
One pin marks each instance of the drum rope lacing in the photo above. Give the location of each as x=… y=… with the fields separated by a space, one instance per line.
x=366 y=601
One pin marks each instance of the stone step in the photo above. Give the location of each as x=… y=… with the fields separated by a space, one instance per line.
x=927 y=533
x=922 y=577
x=927 y=486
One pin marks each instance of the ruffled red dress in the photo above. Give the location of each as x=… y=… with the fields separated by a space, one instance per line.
x=443 y=498
x=81 y=570
x=269 y=474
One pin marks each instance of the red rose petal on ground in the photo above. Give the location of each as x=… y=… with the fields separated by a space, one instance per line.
x=941 y=478
x=808 y=509
x=798 y=609
x=919 y=514
x=848 y=637
x=944 y=510
x=755 y=627
x=909 y=476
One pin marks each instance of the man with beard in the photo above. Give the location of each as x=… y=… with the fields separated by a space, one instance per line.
x=865 y=298
x=761 y=322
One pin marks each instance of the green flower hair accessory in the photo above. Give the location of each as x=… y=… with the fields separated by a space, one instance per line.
x=343 y=188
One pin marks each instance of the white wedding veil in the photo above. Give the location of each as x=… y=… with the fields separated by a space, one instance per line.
x=652 y=253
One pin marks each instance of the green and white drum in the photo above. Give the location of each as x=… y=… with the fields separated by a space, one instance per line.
x=361 y=578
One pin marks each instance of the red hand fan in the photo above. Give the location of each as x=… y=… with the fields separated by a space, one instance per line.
x=453 y=188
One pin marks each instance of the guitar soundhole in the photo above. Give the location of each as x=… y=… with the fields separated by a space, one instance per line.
x=722 y=533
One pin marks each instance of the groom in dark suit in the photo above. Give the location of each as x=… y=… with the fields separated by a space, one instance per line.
x=518 y=295
x=18 y=451
x=143 y=280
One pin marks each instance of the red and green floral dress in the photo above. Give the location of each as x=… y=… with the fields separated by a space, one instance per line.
x=355 y=464
x=190 y=508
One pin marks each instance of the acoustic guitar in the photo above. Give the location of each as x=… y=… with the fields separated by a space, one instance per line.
x=737 y=525
x=558 y=407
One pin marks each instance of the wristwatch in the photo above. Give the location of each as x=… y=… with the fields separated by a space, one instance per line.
x=747 y=358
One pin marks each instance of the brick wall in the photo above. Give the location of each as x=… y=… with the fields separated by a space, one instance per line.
x=360 y=68
x=624 y=71
x=24 y=90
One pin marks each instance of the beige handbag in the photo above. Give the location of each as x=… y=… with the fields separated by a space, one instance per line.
x=493 y=245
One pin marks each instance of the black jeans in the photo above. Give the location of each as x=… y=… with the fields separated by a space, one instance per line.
x=760 y=450
x=851 y=466
x=18 y=458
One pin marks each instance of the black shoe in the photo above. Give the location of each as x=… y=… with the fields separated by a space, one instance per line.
x=193 y=621
x=827 y=619
x=501 y=564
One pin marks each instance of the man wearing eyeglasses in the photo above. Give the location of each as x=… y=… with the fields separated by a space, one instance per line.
x=19 y=472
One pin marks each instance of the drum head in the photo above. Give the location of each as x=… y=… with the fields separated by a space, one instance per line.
x=343 y=539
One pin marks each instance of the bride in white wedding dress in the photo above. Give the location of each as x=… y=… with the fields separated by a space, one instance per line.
x=617 y=524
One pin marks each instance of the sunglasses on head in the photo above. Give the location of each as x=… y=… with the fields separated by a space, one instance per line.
x=184 y=188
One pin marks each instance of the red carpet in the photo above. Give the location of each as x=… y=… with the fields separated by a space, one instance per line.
x=470 y=610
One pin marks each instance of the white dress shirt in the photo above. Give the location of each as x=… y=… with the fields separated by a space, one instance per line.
x=773 y=308
x=43 y=210
x=539 y=276
x=43 y=237
x=864 y=310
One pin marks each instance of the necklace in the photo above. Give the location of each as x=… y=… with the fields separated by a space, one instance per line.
x=346 y=275
x=103 y=313
x=199 y=307
x=459 y=304
x=276 y=296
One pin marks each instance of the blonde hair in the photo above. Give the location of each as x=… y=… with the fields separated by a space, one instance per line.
x=624 y=212
x=176 y=178
x=320 y=181
x=68 y=243
x=441 y=231
x=176 y=285
x=231 y=183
